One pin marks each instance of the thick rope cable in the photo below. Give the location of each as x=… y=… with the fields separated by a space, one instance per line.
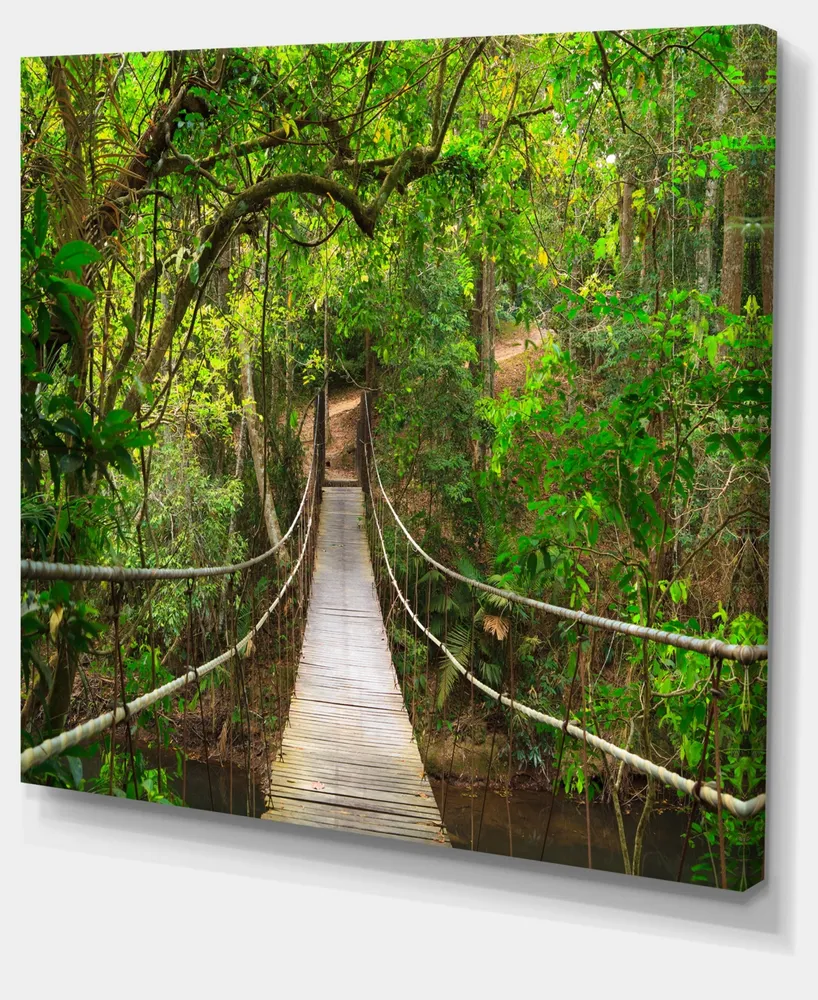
x=740 y=808
x=709 y=647
x=31 y=569
x=58 y=744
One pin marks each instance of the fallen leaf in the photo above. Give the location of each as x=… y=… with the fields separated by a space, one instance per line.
x=318 y=785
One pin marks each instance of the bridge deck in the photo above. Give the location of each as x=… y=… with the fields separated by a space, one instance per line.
x=350 y=760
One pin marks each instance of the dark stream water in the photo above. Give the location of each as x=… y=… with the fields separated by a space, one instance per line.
x=567 y=843
x=241 y=795
x=527 y=812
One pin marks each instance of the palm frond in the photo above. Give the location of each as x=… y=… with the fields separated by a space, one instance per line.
x=459 y=643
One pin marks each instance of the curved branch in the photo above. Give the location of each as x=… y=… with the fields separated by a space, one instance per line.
x=412 y=164
x=437 y=145
x=308 y=243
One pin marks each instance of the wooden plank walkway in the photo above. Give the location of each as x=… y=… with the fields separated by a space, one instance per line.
x=350 y=760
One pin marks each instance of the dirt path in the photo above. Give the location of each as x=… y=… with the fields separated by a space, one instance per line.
x=513 y=351
x=343 y=421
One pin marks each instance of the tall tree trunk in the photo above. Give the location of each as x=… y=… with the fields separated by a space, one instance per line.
x=368 y=358
x=484 y=322
x=488 y=324
x=477 y=318
x=256 y=437
x=767 y=243
x=732 y=262
x=626 y=224
x=704 y=248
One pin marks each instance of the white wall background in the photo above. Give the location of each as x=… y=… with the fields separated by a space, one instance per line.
x=130 y=901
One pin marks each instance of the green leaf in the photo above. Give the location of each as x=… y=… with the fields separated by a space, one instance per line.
x=67 y=426
x=71 y=288
x=75 y=255
x=124 y=462
x=71 y=462
x=193 y=274
x=25 y=323
x=66 y=315
x=43 y=323
x=763 y=449
x=84 y=420
x=118 y=418
x=732 y=446
x=75 y=766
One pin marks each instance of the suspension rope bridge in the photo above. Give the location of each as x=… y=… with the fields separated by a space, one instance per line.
x=349 y=758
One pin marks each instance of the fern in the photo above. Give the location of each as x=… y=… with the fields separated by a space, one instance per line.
x=460 y=644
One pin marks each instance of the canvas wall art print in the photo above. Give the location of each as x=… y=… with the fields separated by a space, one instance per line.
x=395 y=439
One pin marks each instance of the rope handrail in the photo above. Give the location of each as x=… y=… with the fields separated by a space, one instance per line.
x=58 y=744
x=740 y=808
x=31 y=569
x=709 y=647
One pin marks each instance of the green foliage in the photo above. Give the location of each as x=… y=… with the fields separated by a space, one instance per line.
x=627 y=473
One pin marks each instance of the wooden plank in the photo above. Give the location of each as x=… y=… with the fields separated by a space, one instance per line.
x=348 y=777
x=372 y=804
x=311 y=788
x=325 y=820
x=349 y=759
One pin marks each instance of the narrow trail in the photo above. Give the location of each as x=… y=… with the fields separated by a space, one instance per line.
x=513 y=351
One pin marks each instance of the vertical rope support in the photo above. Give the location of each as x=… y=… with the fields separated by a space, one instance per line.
x=278 y=668
x=383 y=578
x=430 y=701
x=414 y=658
x=116 y=597
x=405 y=619
x=717 y=693
x=147 y=589
x=486 y=788
x=694 y=807
x=583 y=694
x=112 y=757
x=231 y=624
x=447 y=775
x=261 y=699
x=472 y=665
x=193 y=660
x=190 y=660
x=152 y=632
x=299 y=588
x=244 y=713
x=510 y=737
x=291 y=665
x=555 y=786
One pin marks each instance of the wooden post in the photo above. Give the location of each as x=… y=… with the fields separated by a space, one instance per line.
x=321 y=441
x=360 y=449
